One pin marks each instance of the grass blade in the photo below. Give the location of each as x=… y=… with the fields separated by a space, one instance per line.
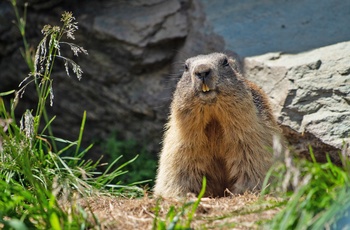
x=196 y=203
x=82 y=126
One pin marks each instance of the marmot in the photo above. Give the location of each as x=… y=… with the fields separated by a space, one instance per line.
x=220 y=126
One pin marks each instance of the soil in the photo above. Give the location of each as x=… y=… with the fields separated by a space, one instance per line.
x=246 y=211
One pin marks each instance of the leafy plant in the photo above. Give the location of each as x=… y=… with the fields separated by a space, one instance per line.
x=144 y=165
x=315 y=194
x=40 y=185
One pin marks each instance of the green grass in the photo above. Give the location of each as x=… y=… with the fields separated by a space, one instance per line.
x=144 y=164
x=39 y=183
x=315 y=195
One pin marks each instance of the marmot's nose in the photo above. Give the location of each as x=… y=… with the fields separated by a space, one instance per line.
x=202 y=71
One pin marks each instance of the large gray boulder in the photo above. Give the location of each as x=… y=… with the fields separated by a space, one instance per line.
x=310 y=94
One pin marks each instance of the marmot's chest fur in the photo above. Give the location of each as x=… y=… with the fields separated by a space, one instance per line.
x=220 y=126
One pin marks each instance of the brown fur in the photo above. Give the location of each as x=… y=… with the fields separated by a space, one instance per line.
x=223 y=134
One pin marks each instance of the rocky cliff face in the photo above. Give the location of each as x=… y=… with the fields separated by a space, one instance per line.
x=137 y=47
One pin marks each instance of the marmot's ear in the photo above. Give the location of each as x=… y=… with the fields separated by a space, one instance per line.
x=235 y=65
x=232 y=62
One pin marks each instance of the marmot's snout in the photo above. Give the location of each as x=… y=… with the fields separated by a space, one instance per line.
x=202 y=71
x=203 y=75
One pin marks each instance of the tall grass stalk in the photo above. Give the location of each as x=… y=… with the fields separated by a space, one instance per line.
x=40 y=184
x=21 y=24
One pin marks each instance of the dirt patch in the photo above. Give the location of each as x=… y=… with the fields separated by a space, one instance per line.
x=246 y=211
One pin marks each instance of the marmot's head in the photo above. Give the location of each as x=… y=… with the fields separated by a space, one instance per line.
x=207 y=77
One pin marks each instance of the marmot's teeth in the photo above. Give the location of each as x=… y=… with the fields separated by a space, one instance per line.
x=205 y=87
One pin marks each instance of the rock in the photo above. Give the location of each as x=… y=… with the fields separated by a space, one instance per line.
x=311 y=94
x=138 y=27
x=256 y=27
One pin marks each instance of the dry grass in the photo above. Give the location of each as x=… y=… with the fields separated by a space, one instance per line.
x=236 y=212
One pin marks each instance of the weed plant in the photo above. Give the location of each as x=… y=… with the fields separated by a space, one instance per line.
x=315 y=195
x=40 y=185
x=144 y=164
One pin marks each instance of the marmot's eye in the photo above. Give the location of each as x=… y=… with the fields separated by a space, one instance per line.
x=225 y=62
x=186 y=67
